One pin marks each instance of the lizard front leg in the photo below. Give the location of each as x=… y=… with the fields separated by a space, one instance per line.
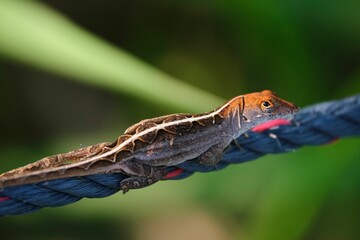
x=142 y=175
x=213 y=155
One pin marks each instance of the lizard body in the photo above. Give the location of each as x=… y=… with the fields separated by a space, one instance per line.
x=148 y=147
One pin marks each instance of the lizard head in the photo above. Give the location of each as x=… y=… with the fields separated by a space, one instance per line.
x=264 y=106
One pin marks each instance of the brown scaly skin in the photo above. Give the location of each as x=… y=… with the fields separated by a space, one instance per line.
x=148 y=147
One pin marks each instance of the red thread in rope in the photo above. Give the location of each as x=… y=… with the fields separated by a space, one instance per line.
x=270 y=124
x=174 y=173
x=3 y=199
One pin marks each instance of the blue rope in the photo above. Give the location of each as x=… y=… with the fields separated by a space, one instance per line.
x=315 y=125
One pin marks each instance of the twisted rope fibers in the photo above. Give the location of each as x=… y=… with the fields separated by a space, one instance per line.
x=315 y=125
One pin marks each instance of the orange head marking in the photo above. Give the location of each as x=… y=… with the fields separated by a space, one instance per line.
x=263 y=106
x=250 y=110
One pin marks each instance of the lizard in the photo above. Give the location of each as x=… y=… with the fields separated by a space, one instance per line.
x=146 y=148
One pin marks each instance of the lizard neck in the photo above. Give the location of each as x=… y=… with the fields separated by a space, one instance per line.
x=232 y=112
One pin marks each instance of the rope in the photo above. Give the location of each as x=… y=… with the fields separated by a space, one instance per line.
x=315 y=125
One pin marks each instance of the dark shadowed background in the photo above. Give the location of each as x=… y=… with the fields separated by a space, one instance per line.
x=306 y=51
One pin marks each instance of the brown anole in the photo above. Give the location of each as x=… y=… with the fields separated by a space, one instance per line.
x=145 y=149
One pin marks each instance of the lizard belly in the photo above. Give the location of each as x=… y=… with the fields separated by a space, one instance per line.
x=172 y=151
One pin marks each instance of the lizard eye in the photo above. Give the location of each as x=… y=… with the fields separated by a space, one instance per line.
x=266 y=103
x=267 y=106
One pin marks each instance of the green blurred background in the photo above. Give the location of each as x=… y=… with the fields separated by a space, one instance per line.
x=80 y=72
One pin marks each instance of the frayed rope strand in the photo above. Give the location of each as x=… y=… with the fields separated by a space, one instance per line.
x=315 y=125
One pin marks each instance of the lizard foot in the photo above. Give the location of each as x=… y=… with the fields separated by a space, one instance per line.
x=137 y=182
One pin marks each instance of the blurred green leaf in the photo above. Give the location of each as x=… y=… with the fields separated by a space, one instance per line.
x=36 y=35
